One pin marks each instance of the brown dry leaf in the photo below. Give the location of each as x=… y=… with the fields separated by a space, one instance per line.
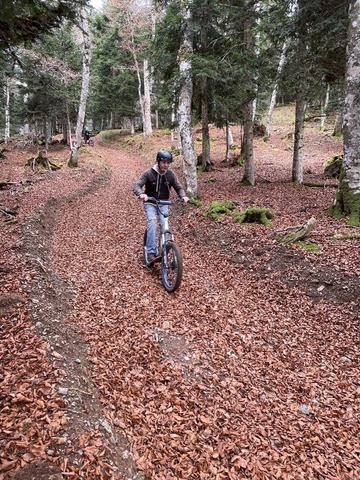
x=207 y=382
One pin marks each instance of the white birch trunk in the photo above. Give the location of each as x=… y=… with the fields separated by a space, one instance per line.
x=348 y=194
x=26 y=124
x=147 y=100
x=352 y=106
x=275 y=90
x=185 y=97
x=298 y=156
x=249 y=174
x=141 y=100
x=173 y=117
x=297 y=166
x=7 y=108
x=229 y=141
x=132 y=126
x=229 y=136
x=323 y=110
x=73 y=162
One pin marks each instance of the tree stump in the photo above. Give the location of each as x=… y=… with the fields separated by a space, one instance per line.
x=42 y=160
x=298 y=233
x=333 y=169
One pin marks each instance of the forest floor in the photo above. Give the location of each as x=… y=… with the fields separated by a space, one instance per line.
x=249 y=371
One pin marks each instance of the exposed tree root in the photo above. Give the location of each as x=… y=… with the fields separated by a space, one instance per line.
x=43 y=161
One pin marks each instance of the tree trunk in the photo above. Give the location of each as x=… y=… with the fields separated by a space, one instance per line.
x=347 y=200
x=73 y=161
x=205 y=157
x=173 y=117
x=339 y=120
x=141 y=100
x=324 y=108
x=7 y=108
x=229 y=140
x=275 y=90
x=185 y=97
x=297 y=166
x=132 y=126
x=147 y=100
x=70 y=142
x=249 y=175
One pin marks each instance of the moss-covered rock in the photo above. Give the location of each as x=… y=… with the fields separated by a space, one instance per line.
x=218 y=209
x=254 y=215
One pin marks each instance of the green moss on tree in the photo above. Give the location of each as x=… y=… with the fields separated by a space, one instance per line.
x=245 y=182
x=347 y=203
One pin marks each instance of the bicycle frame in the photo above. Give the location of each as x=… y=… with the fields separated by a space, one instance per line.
x=165 y=234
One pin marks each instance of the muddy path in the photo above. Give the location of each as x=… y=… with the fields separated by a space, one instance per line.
x=245 y=372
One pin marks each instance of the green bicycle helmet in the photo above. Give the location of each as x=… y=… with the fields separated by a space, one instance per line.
x=164 y=155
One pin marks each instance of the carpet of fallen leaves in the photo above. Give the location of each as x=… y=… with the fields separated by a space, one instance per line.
x=249 y=371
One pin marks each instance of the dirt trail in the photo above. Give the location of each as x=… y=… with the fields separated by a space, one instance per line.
x=250 y=370
x=236 y=375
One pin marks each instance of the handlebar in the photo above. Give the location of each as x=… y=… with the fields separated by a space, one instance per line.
x=163 y=202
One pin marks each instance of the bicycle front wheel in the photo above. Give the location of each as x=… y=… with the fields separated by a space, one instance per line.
x=171 y=267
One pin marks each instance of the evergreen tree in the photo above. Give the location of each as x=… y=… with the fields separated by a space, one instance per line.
x=113 y=79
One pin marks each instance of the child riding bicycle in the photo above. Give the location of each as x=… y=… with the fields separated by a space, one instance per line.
x=156 y=182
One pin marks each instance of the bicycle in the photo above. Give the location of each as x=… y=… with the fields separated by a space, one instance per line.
x=168 y=252
x=89 y=142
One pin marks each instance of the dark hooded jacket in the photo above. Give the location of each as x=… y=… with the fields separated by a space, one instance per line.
x=158 y=185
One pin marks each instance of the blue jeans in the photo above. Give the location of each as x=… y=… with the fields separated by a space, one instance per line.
x=152 y=212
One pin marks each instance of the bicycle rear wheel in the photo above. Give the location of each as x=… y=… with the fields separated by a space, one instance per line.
x=171 y=267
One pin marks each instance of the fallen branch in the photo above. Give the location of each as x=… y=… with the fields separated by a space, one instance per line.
x=8 y=212
x=300 y=232
x=345 y=236
x=6 y=184
x=320 y=185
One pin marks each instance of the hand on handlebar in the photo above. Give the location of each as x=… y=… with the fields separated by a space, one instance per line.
x=143 y=197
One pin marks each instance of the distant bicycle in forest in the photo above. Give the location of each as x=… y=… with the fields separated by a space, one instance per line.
x=168 y=252
x=87 y=138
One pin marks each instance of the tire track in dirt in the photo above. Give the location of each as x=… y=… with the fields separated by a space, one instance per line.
x=51 y=302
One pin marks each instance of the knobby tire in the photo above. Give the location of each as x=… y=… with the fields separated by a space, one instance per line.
x=172 y=272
